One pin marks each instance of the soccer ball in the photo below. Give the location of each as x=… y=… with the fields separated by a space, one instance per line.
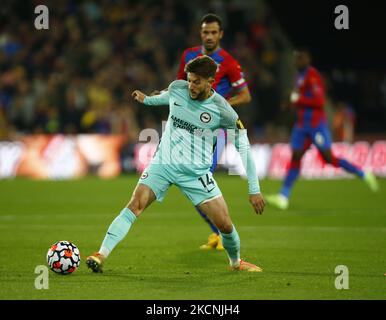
x=63 y=257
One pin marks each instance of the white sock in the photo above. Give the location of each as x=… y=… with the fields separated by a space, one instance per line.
x=104 y=251
x=234 y=262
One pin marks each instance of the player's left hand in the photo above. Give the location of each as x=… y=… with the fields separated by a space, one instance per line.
x=258 y=203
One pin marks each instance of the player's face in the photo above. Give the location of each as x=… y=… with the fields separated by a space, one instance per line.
x=199 y=87
x=302 y=60
x=211 y=36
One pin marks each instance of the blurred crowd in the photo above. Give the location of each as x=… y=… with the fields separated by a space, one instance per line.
x=77 y=76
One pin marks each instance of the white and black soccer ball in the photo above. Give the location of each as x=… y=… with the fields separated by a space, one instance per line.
x=63 y=257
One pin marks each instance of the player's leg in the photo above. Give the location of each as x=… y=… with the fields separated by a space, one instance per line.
x=204 y=193
x=152 y=185
x=337 y=162
x=142 y=197
x=323 y=141
x=214 y=239
x=217 y=210
x=300 y=142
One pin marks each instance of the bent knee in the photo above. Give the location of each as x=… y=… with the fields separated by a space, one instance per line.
x=135 y=206
x=225 y=226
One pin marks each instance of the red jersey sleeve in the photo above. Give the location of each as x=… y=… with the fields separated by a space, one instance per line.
x=314 y=86
x=235 y=74
x=181 y=75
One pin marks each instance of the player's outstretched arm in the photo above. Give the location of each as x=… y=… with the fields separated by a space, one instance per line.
x=157 y=92
x=157 y=100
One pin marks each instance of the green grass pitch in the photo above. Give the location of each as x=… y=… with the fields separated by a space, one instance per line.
x=329 y=223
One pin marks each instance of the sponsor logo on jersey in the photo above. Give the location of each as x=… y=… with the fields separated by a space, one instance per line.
x=182 y=124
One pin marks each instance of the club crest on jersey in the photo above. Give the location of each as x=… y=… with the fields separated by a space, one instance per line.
x=205 y=117
x=144 y=175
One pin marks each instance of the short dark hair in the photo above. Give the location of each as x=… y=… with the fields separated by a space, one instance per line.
x=211 y=17
x=203 y=66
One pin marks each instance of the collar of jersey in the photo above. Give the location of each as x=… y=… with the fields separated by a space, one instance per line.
x=214 y=52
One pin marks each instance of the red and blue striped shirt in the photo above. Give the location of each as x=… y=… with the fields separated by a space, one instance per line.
x=310 y=105
x=229 y=75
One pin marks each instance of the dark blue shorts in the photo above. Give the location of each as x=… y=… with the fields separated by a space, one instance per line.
x=302 y=137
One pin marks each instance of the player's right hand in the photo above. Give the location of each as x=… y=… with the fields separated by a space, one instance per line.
x=138 y=96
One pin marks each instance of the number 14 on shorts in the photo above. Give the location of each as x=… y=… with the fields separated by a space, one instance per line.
x=207 y=182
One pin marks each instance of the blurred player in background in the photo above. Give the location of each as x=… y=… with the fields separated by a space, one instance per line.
x=311 y=127
x=228 y=82
x=343 y=122
x=194 y=108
